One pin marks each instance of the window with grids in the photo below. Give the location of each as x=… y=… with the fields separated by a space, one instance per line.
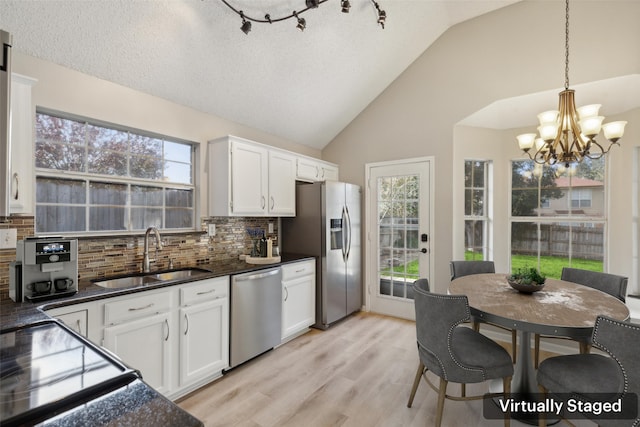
x=93 y=177
x=476 y=209
x=555 y=221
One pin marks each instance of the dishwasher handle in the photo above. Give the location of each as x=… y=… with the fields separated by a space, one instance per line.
x=260 y=275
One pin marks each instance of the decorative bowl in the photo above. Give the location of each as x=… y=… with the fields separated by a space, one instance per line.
x=525 y=288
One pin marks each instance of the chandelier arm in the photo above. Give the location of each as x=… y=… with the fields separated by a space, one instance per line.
x=270 y=20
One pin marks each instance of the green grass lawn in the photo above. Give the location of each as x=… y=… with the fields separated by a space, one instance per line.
x=551 y=266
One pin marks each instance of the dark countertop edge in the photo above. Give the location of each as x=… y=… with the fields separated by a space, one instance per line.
x=134 y=404
x=16 y=314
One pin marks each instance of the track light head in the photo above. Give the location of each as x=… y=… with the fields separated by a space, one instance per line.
x=345 y=5
x=302 y=23
x=312 y=4
x=246 y=25
x=382 y=15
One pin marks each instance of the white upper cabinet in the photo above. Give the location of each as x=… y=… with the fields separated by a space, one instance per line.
x=311 y=170
x=21 y=174
x=282 y=183
x=250 y=179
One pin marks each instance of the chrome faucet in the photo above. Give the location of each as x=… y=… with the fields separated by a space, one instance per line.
x=146 y=261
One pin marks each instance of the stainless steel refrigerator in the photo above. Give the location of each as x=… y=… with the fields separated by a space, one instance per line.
x=327 y=225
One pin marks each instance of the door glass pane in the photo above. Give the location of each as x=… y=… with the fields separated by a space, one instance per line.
x=398 y=227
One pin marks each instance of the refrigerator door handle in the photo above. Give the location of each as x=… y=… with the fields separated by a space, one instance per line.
x=348 y=233
x=344 y=234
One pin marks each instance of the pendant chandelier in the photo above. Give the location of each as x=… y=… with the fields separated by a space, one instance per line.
x=568 y=135
x=345 y=5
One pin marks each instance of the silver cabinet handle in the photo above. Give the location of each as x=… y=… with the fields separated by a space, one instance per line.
x=186 y=319
x=141 y=308
x=166 y=322
x=16 y=194
x=263 y=201
x=206 y=292
x=78 y=326
x=286 y=293
x=273 y=202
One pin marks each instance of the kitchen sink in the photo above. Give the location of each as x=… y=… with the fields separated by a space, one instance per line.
x=150 y=278
x=178 y=274
x=125 y=282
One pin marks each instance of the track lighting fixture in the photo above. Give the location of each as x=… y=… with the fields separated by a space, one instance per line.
x=345 y=5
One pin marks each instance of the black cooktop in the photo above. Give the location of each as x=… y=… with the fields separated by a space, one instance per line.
x=45 y=368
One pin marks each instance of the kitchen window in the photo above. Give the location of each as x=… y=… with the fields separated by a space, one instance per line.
x=476 y=209
x=93 y=177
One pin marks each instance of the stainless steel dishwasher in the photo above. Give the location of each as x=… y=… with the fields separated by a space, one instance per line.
x=256 y=314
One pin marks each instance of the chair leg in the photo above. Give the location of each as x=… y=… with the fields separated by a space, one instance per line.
x=585 y=348
x=416 y=381
x=514 y=342
x=442 y=391
x=476 y=326
x=463 y=390
x=506 y=387
x=536 y=350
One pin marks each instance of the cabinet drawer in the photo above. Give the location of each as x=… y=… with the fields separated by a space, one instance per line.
x=204 y=290
x=135 y=307
x=299 y=269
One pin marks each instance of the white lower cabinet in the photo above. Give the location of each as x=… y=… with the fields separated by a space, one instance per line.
x=83 y=318
x=145 y=344
x=299 y=297
x=204 y=330
x=76 y=320
x=140 y=330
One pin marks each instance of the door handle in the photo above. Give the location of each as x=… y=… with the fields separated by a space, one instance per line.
x=423 y=250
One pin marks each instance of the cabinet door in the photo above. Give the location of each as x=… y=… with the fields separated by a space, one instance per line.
x=204 y=340
x=76 y=320
x=307 y=170
x=249 y=179
x=298 y=307
x=22 y=158
x=282 y=184
x=145 y=344
x=329 y=173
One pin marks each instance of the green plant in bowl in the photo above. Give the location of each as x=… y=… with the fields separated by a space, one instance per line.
x=527 y=280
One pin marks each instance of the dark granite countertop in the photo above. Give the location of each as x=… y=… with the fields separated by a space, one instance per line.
x=16 y=314
x=135 y=404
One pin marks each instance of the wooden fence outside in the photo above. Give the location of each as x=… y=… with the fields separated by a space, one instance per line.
x=586 y=243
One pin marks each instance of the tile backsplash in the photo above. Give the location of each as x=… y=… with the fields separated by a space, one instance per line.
x=112 y=256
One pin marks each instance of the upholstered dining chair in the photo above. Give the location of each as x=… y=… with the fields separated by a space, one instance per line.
x=611 y=284
x=451 y=352
x=582 y=375
x=467 y=268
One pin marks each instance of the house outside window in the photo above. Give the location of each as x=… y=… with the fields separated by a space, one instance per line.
x=476 y=209
x=558 y=216
x=97 y=178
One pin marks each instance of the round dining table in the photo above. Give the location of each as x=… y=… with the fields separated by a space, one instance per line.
x=561 y=308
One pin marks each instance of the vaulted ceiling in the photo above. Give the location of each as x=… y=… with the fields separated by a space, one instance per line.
x=301 y=86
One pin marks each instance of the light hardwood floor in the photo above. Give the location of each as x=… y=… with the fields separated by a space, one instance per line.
x=358 y=373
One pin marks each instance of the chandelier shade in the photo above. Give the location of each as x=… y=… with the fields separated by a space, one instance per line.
x=568 y=135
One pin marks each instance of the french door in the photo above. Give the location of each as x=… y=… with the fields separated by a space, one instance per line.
x=399 y=222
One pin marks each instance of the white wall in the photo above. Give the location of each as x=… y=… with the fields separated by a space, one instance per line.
x=66 y=90
x=513 y=51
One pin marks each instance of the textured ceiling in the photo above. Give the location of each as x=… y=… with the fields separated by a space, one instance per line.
x=301 y=86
